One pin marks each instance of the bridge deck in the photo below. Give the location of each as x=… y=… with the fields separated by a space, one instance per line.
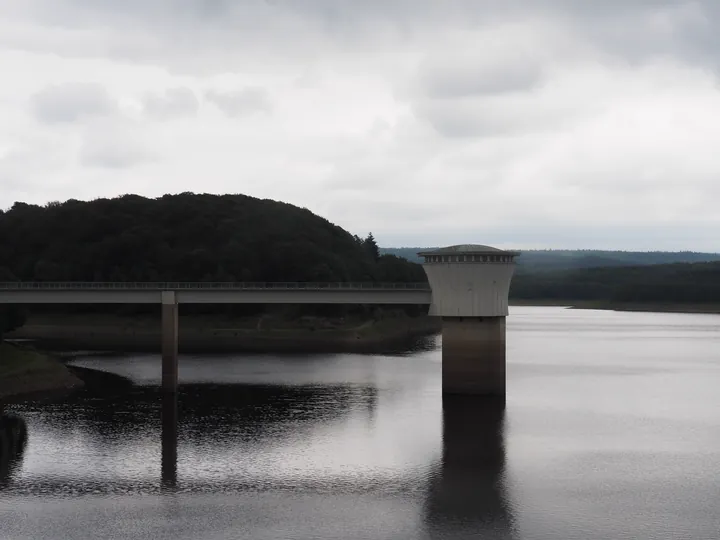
x=214 y=293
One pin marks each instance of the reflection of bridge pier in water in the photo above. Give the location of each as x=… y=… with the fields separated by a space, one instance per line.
x=169 y=437
x=350 y=401
x=467 y=496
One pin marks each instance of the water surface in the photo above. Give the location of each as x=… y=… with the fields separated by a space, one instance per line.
x=611 y=430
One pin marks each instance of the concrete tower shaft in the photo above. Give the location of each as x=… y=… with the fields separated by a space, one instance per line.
x=470 y=285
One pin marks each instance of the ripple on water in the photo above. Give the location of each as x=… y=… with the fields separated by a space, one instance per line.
x=611 y=431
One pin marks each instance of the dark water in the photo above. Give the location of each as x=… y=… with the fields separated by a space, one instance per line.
x=611 y=431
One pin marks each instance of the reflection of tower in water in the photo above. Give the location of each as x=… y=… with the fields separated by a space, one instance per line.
x=13 y=439
x=169 y=436
x=467 y=497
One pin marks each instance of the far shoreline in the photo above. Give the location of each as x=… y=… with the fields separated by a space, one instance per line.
x=689 y=308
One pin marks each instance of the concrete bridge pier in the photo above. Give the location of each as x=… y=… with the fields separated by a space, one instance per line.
x=169 y=341
x=470 y=285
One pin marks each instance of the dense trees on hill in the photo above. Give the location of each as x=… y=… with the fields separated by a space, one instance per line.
x=188 y=237
x=667 y=283
x=550 y=260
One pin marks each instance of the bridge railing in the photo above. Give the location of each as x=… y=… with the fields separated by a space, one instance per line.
x=234 y=286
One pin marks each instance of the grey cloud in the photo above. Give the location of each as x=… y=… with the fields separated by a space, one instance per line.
x=114 y=145
x=640 y=31
x=14 y=167
x=214 y=34
x=505 y=58
x=30 y=166
x=334 y=15
x=71 y=102
x=175 y=102
x=337 y=9
x=456 y=122
x=452 y=82
x=251 y=99
x=488 y=118
x=111 y=156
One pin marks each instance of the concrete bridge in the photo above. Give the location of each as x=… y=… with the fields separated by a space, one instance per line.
x=469 y=287
x=214 y=293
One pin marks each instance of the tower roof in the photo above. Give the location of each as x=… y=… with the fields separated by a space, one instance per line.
x=465 y=249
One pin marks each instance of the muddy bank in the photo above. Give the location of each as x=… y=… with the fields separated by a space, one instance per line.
x=28 y=374
x=217 y=336
x=97 y=381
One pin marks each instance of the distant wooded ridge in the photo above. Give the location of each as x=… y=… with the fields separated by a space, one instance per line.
x=669 y=278
x=677 y=283
x=567 y=259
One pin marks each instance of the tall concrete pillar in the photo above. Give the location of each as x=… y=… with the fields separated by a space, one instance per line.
x=470 y=285
x=473 y=356
x=169 y=341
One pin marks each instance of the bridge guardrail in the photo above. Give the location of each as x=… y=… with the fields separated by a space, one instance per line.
x=231 y=286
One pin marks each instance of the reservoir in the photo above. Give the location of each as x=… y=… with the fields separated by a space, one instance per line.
x=611 y=430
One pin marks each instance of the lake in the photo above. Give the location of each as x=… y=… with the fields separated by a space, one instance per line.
x=611 y=430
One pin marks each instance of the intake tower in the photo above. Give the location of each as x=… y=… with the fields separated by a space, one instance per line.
x=470 y=285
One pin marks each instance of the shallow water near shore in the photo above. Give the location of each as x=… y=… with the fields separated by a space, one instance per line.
x=611 y=430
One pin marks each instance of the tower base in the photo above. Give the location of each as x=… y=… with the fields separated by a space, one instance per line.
x=169 y=341
x=473 y=356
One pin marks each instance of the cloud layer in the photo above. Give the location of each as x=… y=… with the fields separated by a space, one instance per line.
x=527 y=123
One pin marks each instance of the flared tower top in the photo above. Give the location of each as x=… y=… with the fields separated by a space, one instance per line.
x=468 y=253
x=469 y=280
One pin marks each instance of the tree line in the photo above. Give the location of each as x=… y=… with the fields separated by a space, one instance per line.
x=663 y=283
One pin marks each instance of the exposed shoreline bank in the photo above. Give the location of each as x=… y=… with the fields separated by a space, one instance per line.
x=623 y=306
x=207 y=335
x=29 y=374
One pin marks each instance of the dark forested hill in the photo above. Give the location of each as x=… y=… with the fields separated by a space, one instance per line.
x=546 y=260
x=187 y=237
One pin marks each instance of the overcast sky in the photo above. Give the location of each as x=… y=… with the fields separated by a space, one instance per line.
x=521 y=123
